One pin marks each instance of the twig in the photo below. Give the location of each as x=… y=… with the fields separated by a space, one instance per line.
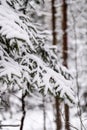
x=76 y=67
x=9 y=125
x=69 y=122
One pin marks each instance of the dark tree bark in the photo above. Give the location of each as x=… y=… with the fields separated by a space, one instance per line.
x=54 y=23
x=64 y=27
x=58 y=115
x=65 y=55
x=23 y=111
x=44 y=114
x=57 y=102
x=67 y=126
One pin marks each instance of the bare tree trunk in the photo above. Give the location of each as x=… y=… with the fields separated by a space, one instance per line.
x=23 y=111
x=44 y=114
x=58 y=115
x=65 y=55
x=54 y=23
x=67 y=126
x=57 y=102
x=64 y=27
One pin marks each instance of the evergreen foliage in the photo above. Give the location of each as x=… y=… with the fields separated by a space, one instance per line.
x=26 y=61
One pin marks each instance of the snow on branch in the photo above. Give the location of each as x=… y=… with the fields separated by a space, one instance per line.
x=26 y=59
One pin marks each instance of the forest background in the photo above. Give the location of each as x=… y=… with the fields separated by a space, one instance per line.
x=60 y=23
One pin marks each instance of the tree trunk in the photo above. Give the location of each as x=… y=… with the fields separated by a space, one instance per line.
x=23 y=111
x=44 y=114
x=54 y=23
x=65 y=56
x=58 y=115
x=57 y=102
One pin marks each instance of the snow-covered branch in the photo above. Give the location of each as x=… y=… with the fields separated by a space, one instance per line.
x=25 y=58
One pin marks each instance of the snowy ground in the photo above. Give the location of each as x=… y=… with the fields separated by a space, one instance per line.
x=34 y=118
x=33 y=121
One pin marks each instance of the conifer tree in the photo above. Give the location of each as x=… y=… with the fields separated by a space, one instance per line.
x=27 y=63
x=26 y=59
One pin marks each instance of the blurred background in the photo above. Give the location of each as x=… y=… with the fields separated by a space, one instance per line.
x=65 y=24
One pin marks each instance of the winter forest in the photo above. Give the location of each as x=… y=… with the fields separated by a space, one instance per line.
x=43 y=64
